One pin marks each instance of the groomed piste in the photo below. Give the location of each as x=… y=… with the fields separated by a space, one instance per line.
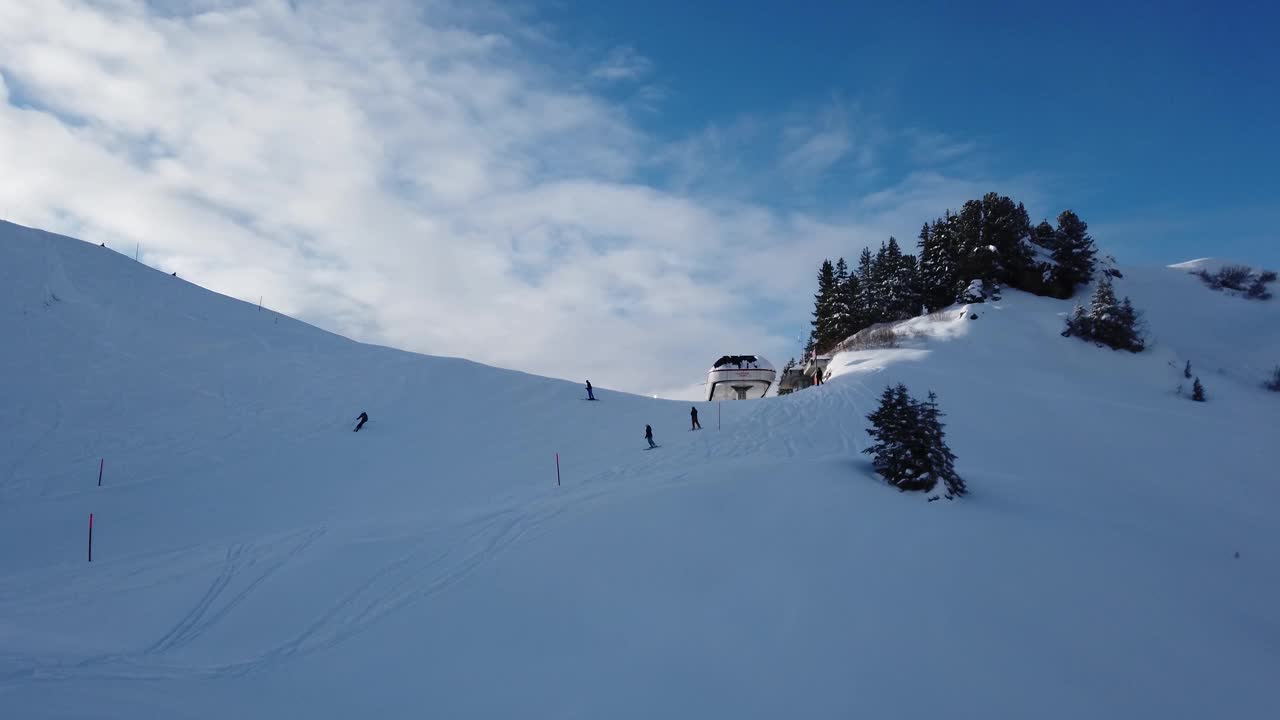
x=253 y=558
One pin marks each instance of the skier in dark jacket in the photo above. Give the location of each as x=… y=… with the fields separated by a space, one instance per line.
x=648 y=435
x=590 y=395
x=364 y=418
x=693 y=415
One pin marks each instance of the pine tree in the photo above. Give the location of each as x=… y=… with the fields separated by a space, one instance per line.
x=1073 y=254
x=1114 y=324
x=824 y=308
x=975 y=260
x=892 y=290
x=845 y=321
x=910 y=449
x=891 y=427
x=1079 y=324
x=938 y=461
x=866 y=288
x=1007 y=227
x=1128 y=335
x=1045 y=236
x=850 y=298
x=938 y=271
x=1186 y=371
x=878 y=299
x=1197 y=391
x=909 y=283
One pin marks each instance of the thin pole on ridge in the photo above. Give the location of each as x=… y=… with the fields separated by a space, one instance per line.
x=557 y=469
x=90 y=537
x=101 y=462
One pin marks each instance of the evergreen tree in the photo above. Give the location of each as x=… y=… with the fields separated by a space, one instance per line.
x=1126 y=333
x=892 y=290
x=993 y=244
x=975 y=260
x=1115 y=324
x=850 y=299
x=1186 y=371
x=866 y=288
x=1007 y=227
x=1080 y=324
x=1045 y=236
x=937 y=463
x=938 y=270
x=877 y=308
x=910 y=449
x=1197 y=390
x=891 y=427
x=1073 y=254
x=909 y=286
x=845 y=320
x=824 y=308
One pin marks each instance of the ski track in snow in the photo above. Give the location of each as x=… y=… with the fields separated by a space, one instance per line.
x=249 y=424
x=410 y=579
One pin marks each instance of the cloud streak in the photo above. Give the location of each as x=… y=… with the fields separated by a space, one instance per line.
x=413 y=174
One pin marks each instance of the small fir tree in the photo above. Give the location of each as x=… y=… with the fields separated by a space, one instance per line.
x=1197 y=391
x=1114 y=324
x=910 y=449
x=938 y=462
x=1186 y=371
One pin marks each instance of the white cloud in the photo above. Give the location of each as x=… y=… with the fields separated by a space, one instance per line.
x=931 y=149
x=409 y=174
x=622 y=64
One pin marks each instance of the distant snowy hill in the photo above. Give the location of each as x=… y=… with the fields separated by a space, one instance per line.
x=255 y=558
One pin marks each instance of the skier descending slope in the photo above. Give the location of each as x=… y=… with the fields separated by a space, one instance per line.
x=364 y=418
x=590 y=395
x=648 y=435
x=693 y=417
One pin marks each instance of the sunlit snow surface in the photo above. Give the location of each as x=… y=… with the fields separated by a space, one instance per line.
x=255 y=558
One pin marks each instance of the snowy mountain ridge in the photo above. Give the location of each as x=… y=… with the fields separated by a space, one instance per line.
x=253 y=557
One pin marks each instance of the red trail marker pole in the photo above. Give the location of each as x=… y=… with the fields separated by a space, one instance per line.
x=90 y=537
x=557 y=469
x=100 y=464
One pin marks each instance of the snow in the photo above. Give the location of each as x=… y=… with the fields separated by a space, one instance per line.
x=253 y=557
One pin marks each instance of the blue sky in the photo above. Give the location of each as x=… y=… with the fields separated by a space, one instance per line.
x=1163 y=114
x=619 y=191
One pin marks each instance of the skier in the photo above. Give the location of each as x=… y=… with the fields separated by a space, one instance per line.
x=364 y=418
x=590 y=395
x=648 y=435
x=693 y=415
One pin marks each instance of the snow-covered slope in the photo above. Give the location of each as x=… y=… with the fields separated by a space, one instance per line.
x=255 y=558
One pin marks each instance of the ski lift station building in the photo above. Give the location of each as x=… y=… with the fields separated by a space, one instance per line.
x=739 y=377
